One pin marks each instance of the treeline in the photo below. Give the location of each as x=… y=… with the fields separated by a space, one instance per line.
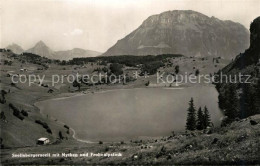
x=128 y=60
x=34 y=58
x=19 y=114
x=239 y=100
x=148 y=64
x=197 y=120
x=44 y=125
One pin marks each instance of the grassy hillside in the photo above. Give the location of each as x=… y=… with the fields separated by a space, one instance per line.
x=18 y=133
x=235 y=144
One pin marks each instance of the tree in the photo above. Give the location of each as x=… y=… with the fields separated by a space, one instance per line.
x=2 y=116
x=191 y=116
x=76 y=84
x=177 y=69
x=221 y=101
x=197 y=72
x=116 y=69
x=60 y=135
x=147 y=84
x=231 y=105
x=257 y=96
x=247 y=102
x=206 y=118
x=200 y=120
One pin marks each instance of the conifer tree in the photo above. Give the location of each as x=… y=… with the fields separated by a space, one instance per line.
x=232 y=100
x=206 y=119
x=247 y=102
x=221 y=101
x=191 y=116
x=200 y=120
x=257 y=97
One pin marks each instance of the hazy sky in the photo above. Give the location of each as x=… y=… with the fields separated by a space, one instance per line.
x=98 y=24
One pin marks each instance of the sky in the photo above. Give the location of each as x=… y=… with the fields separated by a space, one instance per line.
x=98 y=24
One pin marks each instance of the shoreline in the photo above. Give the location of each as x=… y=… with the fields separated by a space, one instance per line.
x=83 y=93
x=67 y=95
x=99 y=91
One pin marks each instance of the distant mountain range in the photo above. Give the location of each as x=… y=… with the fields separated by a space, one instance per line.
x=185 y=32
x=76 y=52
x=15 y=48
x=42 y=49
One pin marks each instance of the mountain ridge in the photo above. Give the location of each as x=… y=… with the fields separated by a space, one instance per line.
x=15 y=48
x=40 y=48
x=183 y=32
x=245 y=97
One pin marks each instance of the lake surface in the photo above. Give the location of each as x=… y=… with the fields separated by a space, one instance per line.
x=132 y=113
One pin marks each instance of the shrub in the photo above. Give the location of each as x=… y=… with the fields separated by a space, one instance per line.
x=49 y=130
x=3 y=92
x=38 y=121
x=2 y=115
x=60 y=135
x=43 y=124
x=2 y=101
x=116 y=69
x=24 y=113
x=147 y=84
x=16 y=111
x=17 y=114
x=67 y=127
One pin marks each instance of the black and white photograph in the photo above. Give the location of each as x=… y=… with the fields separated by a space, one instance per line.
x=129 y=82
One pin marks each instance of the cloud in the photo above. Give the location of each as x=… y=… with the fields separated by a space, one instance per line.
x=74 y=32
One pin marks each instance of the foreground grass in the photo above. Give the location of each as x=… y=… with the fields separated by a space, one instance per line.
x=235 y=144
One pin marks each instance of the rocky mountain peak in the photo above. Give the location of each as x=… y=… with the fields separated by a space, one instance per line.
x=184 y=32
x=41 y=49
x=40 y=44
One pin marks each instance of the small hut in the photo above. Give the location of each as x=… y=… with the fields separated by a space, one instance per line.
x=43 y=141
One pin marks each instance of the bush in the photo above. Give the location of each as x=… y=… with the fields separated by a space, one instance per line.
x=2 y=101
x=2 y=116
x=3 y=92
x=105 y=70
x=60 y=135
x=49 y=130
x=43 y=124
x=147 y=84
x=116 y=69
x=38 y=121
x=151 y=68
x=16 y=111
x=24 y=113
x=67 y=127
x=17 y=114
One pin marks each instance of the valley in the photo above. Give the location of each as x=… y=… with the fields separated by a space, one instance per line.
x=135 y=119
